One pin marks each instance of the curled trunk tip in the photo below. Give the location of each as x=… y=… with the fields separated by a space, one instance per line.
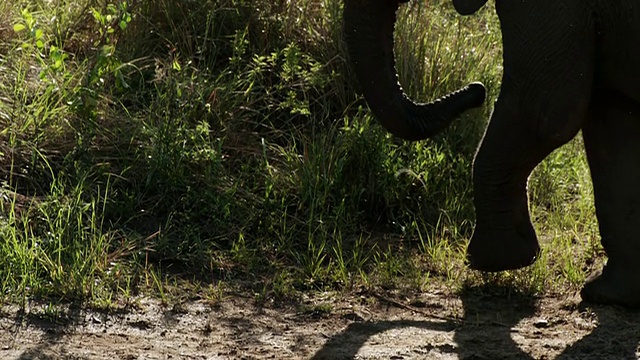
x=368 y=31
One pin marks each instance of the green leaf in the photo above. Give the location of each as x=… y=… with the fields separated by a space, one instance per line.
x=96 y=15
x=19 y=27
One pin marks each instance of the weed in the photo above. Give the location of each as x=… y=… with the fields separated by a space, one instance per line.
x=152 y=142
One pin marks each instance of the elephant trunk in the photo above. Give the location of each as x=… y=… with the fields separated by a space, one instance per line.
x=369 y=26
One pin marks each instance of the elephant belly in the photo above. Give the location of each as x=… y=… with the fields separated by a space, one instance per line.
x=618 y=49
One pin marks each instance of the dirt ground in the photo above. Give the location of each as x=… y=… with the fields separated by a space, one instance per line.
x=473 y=325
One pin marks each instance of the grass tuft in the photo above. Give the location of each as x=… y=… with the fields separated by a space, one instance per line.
x=222 y=143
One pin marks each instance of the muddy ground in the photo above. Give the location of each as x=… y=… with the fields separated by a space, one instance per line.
x=475 y=324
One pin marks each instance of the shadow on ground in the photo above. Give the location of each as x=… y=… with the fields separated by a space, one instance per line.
x=617 y=336
x=490 y=315
x=347 y=344
x=480 y=323
x=49 y=325
x=499 y=323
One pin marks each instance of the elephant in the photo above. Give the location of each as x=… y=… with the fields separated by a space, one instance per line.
x=568 y=66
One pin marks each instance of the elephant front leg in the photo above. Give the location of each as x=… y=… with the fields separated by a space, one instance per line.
x=546 y=89
x=612 y=140
x=519 y=136
x=503 y=238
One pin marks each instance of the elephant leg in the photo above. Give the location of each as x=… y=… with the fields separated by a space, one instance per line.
x=543 y=102
x=612 y=140
x=504 y=238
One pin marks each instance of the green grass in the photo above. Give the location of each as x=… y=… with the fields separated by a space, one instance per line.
x=195 y=147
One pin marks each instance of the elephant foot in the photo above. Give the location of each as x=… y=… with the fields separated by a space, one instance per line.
x=613 y=285
x=503 y=248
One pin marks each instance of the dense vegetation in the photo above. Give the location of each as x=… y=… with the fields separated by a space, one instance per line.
x=218 y=144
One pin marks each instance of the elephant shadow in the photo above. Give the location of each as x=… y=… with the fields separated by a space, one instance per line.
x=489 y=330
x=346 y=344
x=617 y=335
x=491 y=314
x=483 y=333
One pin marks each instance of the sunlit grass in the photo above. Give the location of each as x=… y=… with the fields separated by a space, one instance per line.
x=223 y=144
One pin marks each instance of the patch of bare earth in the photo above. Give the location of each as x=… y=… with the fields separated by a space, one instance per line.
x=473 y=325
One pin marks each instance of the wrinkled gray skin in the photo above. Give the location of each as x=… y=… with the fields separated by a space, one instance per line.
x=569 y=65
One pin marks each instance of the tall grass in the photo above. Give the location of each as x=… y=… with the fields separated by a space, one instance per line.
x=224 y=141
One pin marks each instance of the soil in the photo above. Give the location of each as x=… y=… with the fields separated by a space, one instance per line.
x=474 y=324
